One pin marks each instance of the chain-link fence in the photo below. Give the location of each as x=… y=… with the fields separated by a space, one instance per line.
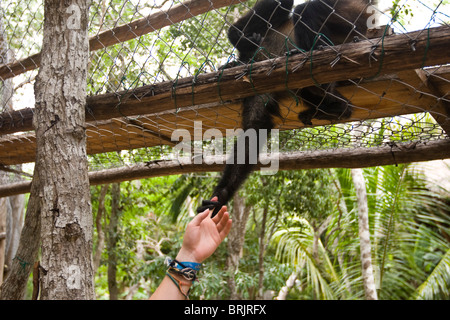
x=155 y=73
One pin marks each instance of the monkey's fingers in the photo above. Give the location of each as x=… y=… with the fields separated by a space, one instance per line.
x=208 y=204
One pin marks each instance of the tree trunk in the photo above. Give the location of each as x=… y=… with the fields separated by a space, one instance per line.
x=343 y=212
x=112 y=242
x=60 y=89
x=364 y=235
x=14 y=286
x=98 y=222
x=14 y=222
x=236 y=242
x=3 y=213
x=15 y=205
x=262 y=249
x=284 y=291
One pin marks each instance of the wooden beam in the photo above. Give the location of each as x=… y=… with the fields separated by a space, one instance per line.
x=343 y=158
x=393 y=54
x=422 y=82
x=442 y=111
x=156 y=21
x=151 y=23
x=384 y=97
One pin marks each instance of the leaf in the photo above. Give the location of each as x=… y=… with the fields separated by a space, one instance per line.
x=438 y=282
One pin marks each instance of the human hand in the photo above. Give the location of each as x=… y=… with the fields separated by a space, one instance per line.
x=203 y=235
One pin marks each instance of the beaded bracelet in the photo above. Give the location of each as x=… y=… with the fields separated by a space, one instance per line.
x=188 y=270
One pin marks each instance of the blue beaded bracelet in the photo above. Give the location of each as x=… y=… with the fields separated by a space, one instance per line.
x=181 y=265
x=193 y=265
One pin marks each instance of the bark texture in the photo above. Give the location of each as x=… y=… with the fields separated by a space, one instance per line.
x=66 y=270
x=112 y=242
x=236 y=242
x=364 y=235
x=14 y=286
x=3 y=213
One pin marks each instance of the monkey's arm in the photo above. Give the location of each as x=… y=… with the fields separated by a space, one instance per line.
x=247 y=33
x=257 y=114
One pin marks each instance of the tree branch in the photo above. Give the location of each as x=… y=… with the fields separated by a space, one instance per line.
x=341 y=158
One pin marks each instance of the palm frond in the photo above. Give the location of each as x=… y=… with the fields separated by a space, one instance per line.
x=295 y=246
x=437 y=285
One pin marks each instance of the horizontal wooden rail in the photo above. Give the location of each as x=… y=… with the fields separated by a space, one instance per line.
x=355 y=60
x=342 y=158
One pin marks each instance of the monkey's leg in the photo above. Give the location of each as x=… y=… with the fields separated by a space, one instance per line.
x=324 y=103
x=257 y=115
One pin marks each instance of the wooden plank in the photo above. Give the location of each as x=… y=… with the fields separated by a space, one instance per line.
x=373 y=99
x=354 y=63
x=423 y=84
x=156 y=21
x=342 y=158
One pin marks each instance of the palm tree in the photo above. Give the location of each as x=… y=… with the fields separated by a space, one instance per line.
x=409 y=227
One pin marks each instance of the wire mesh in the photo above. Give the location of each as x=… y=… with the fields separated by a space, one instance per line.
x=140 y=45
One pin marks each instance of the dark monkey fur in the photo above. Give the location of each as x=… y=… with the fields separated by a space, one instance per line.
x=267 y=25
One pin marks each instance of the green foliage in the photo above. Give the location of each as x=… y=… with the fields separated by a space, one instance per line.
x=401 y=10
x=22 y=21
x=405 y=247
x=146 y=235
x=409 y=225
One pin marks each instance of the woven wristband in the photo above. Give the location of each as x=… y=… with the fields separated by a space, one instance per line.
x=181 y=265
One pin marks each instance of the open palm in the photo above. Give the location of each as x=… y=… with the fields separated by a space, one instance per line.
x=203 y=235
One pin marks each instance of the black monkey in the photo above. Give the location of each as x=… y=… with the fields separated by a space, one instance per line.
x=268 y=25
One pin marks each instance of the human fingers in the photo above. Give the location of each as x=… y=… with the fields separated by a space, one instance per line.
x=226 y=229
x=223 y=221
x=219 y=215
x=200 y=217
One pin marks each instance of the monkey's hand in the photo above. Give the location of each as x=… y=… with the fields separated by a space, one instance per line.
x=214 y=204
x=255 y=38
x=230 y=64
x=209 y=204
x=294 y=51
x=306 y=117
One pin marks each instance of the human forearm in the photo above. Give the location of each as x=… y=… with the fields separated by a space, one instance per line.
x=174 y=286
x=202 y=237
x=168 y=290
